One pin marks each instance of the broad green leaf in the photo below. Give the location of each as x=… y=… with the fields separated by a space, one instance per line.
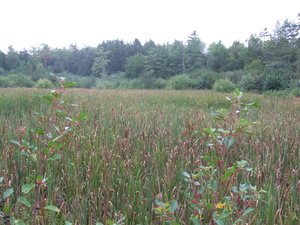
x=234 y=189
x=214 y=185
x=15 y=221
x=1 y=179
x=173 y=205
x=225 y=213
x=186 y=174
x=34 y=157
x=244 y=186
x=70 y=84
x=208 y=205
x=82 y=115
x=55 y=156
x=238 y=94
x=209 y=144
x=8 y=192
x=228 y=142
x=195 y=220
x=174 y=223
x=69 y=223
x=110 y=222
x=25 y=153
x=52 y=208
x=160 y=203
x=248 y=210
x=51 y=144
x=120 y=220
x=26 y=188
x=229 y=172
x=207 y=159
x=210 y=131
x=39 y=131
x=253 y=104
x=200 y=133
x=15 y=142
x=47 y=97
x=197 y=183
x=98 y=223
x=6 y=209
x=241 y=163
x=24 y=201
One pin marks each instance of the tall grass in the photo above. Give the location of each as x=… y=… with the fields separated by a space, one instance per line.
x=133 y=145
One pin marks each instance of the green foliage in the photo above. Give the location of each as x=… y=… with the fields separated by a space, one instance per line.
x=182 y=82
x=137 y=141
x=135 y=66
x=247 y=83
x=18 y=80
x=217 y=57
x=256 y=65
x=194 y=54
x=44 y=83
x=204 y=78
x=296 y=92
x=224 y=85
x=5 y=81
x=276 y=76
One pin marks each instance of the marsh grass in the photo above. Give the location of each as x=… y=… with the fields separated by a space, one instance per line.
x=134 y=144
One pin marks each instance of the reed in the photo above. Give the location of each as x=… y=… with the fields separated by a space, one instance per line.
x=133 y=146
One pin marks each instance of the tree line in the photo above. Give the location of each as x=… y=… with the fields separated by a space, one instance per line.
x=268 y=61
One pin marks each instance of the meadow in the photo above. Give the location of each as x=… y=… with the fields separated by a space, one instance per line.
x=133 y=146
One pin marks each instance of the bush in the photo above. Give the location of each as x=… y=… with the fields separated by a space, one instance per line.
x=256 y=65
x=204 y=78
x=278 y=94
x=224 y=85
x=43 y=83
x=160 y=83
x=182 y=82
x=19 y=80
x=5 y=82
x=104 y=85
x=296 y=92
x=276 y=76
x=247 y=83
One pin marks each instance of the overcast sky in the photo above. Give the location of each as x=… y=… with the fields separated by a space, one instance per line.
x=60 y=23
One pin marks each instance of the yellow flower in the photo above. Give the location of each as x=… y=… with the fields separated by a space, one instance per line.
x=221 y=205
x=163 y=210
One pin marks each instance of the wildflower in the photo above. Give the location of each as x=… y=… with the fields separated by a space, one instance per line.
x=221 y=205
x=170 y=219
x=194 y=201
x=161 y=209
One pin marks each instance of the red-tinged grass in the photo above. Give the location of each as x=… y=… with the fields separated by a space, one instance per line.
x=133 y=145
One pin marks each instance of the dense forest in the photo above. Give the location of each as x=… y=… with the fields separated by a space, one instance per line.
x=268 y=61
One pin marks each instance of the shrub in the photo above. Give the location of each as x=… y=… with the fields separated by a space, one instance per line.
x=5 y=82
x=256 y=65
x=182 y=82
x=204 y=78
x=19 y=80
x=247 y=83
x=224 y=85
x=43 y=83
x=160 y=83
x=276 y=76
x=296 y=92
